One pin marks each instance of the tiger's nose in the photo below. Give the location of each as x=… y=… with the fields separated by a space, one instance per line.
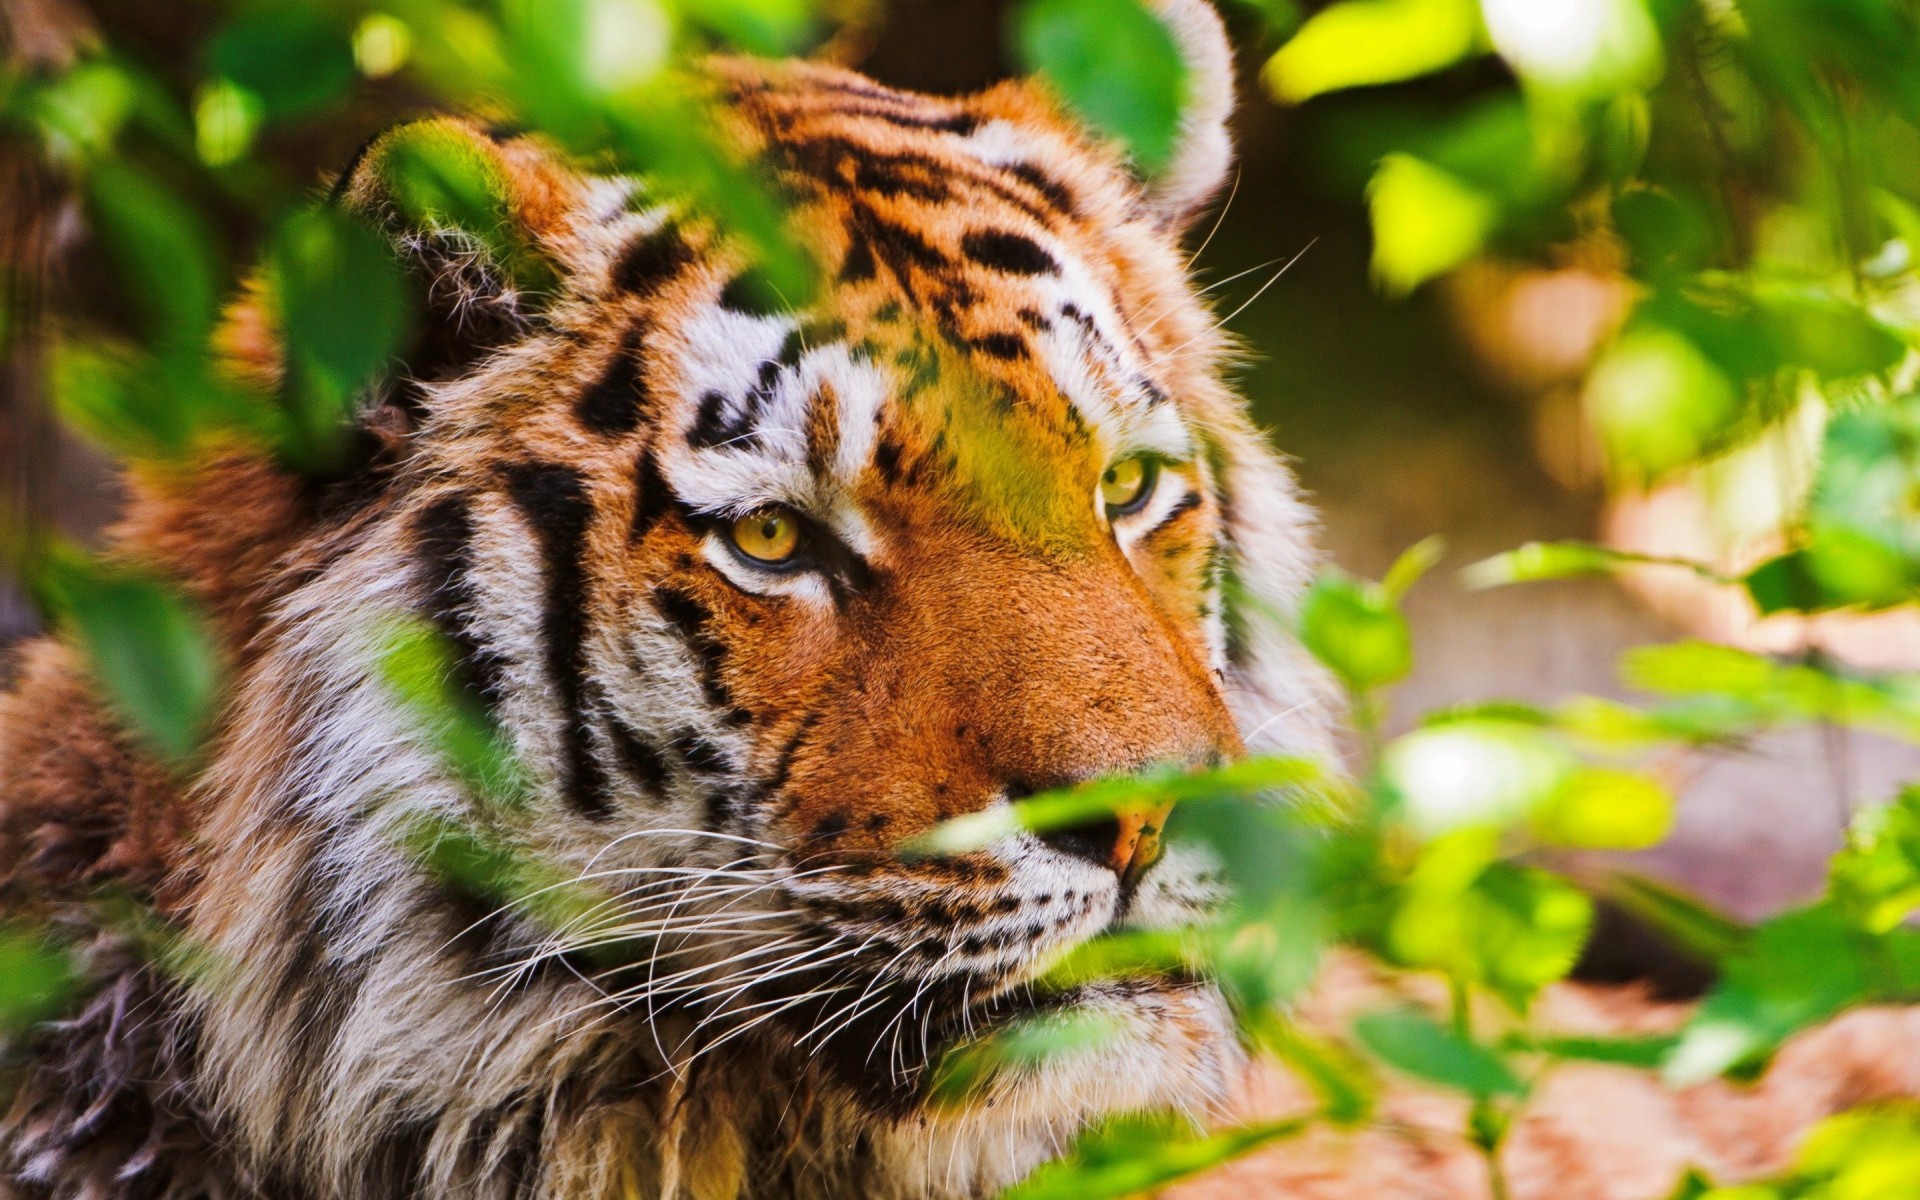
x=1126 y=842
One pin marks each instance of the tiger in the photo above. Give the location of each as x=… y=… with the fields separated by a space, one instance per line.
x=755 y=594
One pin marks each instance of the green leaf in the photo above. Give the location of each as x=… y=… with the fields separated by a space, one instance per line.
x=117 y=398
x=975 y=1070
x=1601 y=808
x=1474 y=773
x=1339 y=1078
x=1537 y=561
x=150 y=651
x=288 y=56
x=1413 y=564
x=1129 y=1156
x=1359 y=42
x=1658 y=401
x=416 y=662
x=1413 y=1042
x=1114 y=63
x=344 y=311
x=1511 y=929
x=769 y=27
x=1594 y=48
x=164 y=251
x=1356 y=629
x=1643 y=1052
x=1875 y=879
x=1758 y=691
x=1426 y=221
x=1795 y=970
x=37 y=979
x=1689 y=923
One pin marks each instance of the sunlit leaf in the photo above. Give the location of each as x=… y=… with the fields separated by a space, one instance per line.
x=1643 y=1052
x=1588 y=47
x=1076 y=805
x=1537 y=561
x=1463 y=774
x=1765 y=691
x=225 y=118
x=1875 y=879
x=1360 y=42
x=420 y=667
x=1413 y=1042
x=1658 y=402
x=1426 y=222
x=1114 y=63
x=150 y=651
x=1601 y=808
x=1414 y=562
x=382 y=43
x=770 y=27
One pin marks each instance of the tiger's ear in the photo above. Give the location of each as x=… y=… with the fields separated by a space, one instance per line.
x=1203 y=148
x=474 y=216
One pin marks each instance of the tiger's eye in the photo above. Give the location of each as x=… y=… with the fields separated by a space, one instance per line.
x=1126 y=484
x=768 y=535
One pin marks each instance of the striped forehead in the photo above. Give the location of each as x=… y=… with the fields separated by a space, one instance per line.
x=784 y=408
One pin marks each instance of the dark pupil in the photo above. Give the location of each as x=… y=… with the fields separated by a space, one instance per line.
x=770 y=528
x=1113 y=474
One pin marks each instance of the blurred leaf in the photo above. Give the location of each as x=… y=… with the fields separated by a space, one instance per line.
x=769 y=27
x=1669 y=231
x=1474 y=773
x=1569 y=560
x=225 y=118
x=1128 y=1156
x=79 y=114
x=499 y=873
x=1426 y=222
x=1582 y=47
x=420 y=667
x=1830 y=336
x=1339 y=1078
x=1076 y=805
x=1114 y=63
x=117 y=398
x=1659 y=403
x=1690 y=924
x=975 y=1070
x=1412 y=1041
x=289 y=56
x=1643 y=1052
x=344 y=312
x=1772 y=692
x=1875 y=879
x=1600 y=808
x=1510 y=929
x=1356 y=629
x=1795 y=970
x=150 y=651
x=1414 y=562
x=1359 y=42
x=164 y=250
x=1869 y=1153
x=382 y=43
x=37 y=979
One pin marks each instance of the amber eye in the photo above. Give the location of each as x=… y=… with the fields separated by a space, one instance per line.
x=768 y=535
x=1127 y=484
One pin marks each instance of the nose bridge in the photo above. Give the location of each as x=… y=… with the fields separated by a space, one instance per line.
x=1072 y=672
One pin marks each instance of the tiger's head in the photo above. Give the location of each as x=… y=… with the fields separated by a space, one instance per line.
x=756 y=595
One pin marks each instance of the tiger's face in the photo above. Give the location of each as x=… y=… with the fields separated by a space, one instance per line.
x=758 y=596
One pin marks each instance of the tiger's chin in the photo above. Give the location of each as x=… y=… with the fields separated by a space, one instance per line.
x=1163 y=1045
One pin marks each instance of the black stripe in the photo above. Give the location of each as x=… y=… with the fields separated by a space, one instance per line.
x=1181 y=507
x=652 y=499
x=651 y=261
x=1001 y=345
x=554 y=500
x=701 y=755
x=445 y=532
x=1051 y=189
x=618 y=399
x=642 y=760
x=1012 y=253
x=692 y=620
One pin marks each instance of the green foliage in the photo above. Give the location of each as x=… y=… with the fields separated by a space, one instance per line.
x=1114 y=63
x=150 y=652
x=1411 y=1041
